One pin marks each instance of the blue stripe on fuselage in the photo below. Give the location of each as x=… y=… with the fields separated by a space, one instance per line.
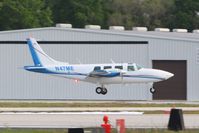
x=37 y=69
x=111 y=75
x=46 y=71
x=143 y=76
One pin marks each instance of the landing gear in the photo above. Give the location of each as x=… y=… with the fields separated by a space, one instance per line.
x=98 y=90
x=101 y=90
x=152 y=90
x=104 y=91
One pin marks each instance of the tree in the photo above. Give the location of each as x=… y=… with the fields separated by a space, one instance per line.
x=154 y=13
x=19 y=14
x=123 y=12
x=149 y=13
x=184 y=15
x=78 y=12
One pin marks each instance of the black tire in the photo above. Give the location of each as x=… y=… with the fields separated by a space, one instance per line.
x=152 y=90
x=98 y=90
x=104 y=91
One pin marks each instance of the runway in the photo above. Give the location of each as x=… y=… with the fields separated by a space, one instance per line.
x=78 y=119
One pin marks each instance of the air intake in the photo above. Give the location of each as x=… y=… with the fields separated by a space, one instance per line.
x=180 y=30
x=196 y=31
x=139 y=28
x=93 y=27
x=116 y=28
x=162 y=29
x=60 y=25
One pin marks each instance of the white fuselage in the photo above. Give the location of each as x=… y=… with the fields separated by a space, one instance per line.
x=81 y=72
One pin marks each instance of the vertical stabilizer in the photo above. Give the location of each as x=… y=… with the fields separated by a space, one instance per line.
x=40 y=58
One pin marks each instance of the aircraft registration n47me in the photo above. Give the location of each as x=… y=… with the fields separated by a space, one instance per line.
x=100 y=74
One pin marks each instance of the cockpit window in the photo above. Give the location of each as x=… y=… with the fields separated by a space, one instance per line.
x=131 y=68
x=107 y=67
x=138 y=67
x=97 y=68
x=119 y=67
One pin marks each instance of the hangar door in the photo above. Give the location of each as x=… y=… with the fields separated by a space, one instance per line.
x=175 y=87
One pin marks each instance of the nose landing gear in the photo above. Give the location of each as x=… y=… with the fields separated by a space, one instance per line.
x=101 y=90
x=152 y=90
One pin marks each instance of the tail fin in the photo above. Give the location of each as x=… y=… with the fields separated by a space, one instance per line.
x=40 y=58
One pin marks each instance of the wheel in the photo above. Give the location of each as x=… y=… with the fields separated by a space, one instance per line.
x=152 y=90
x=104 y=91
x=98 y=90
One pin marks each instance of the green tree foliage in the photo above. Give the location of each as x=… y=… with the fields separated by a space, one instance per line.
x=123 y=12
x=184 y=15
x=78 y=12
x=149 y=13
x=154 y=13
x=18 y=14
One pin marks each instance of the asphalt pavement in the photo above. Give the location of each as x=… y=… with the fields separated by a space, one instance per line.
x=69 y=120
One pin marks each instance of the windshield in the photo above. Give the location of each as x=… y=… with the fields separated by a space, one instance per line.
x=138 y=67
x=133 y=67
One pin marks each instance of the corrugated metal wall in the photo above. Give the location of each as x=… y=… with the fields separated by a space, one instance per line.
x=161 y=49
x=17 y=83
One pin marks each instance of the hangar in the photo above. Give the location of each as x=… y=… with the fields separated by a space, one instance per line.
x=176 y=52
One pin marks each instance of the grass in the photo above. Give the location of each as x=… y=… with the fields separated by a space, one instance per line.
x=109 y=104
x=113 y=131
x=8 y=130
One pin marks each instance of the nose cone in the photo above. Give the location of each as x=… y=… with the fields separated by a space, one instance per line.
x=164 y=75
x=168 y=75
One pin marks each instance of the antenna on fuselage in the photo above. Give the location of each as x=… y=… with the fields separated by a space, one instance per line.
x=78 y=60
x=113 y=62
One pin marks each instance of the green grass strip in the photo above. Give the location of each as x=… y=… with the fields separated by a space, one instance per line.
x=57 y=104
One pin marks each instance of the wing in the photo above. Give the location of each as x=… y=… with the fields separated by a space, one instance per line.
x=104 y=73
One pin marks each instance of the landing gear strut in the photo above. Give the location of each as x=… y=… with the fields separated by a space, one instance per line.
x=152 y=90
x=101 y=90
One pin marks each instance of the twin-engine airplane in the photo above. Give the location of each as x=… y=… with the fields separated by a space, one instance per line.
x=100 y=74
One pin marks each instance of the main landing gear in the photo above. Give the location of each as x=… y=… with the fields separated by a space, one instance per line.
x=101 y=90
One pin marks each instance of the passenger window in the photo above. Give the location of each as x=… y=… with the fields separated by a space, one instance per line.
x=107 y=67
x=97 y=68
x=119 y=67
x=131 y=68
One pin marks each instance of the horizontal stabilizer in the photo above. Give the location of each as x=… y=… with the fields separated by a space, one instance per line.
x=36 y=69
